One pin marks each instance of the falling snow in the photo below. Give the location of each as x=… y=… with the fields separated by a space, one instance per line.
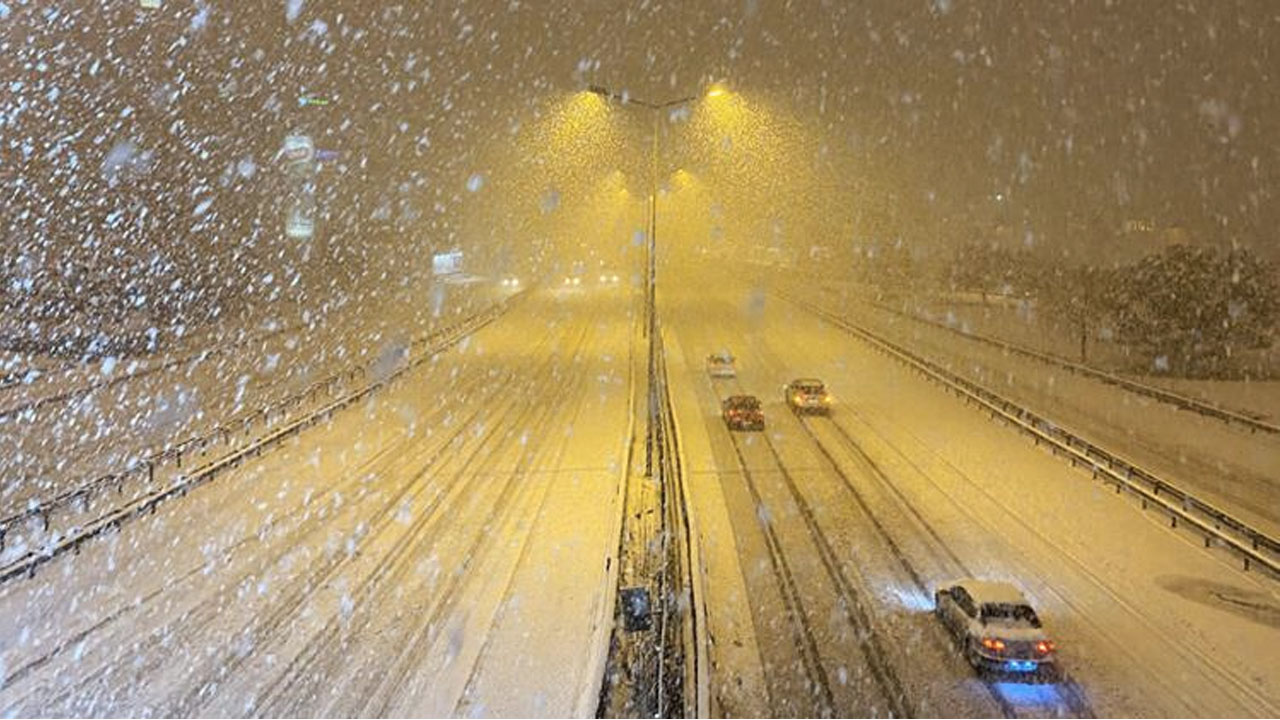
x=357 y=359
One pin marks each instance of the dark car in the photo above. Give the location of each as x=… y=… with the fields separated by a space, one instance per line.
x=743 y=412
x=807 y=395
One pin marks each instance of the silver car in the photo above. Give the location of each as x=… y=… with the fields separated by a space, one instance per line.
x=721 y=365
x=807 y=395
x=996 y=627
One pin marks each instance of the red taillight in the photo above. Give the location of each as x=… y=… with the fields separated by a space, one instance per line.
x=1044 y=647
x=993 y=644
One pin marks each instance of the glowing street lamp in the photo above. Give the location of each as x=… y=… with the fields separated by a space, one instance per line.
x=626 y=99
x=652 y=271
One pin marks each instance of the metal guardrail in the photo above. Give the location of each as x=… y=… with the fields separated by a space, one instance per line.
x=36 y=404
x=683 y=551
x=1252 y=546
x=657 y=662
x=428 y=345
x=1166 y=396
x=672 y=637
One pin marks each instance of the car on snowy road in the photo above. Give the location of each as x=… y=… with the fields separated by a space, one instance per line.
x=806 y=395
x=742 y=412
x=722 y=365
x=996 y=628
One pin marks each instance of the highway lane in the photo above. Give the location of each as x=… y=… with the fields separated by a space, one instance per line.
x=1228 y=465
x=393 y=561
x=825 y=645
x=444 y=548
x=103 y=419
x=1148 y=622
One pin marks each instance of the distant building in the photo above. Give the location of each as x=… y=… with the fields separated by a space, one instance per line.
x=1139 y=237
x=1150 y=232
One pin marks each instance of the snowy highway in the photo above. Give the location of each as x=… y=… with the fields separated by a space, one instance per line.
x=842 y=527
x=1232 y=466
x=446 y=547
x=618 y=359
x=417 y=555
x=62 y=430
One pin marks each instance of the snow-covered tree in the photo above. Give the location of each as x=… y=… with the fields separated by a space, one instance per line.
x=1077 y=295
x=988 y=269
x=1193 y=309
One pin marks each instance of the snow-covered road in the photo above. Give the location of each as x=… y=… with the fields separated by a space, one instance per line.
x=445 y=548
x=441 y=549
x=843 y=526
x=1225 y=464
x=65 y=429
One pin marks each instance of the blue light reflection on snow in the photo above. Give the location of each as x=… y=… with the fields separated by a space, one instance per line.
x=911 y=599
x=1029 y=694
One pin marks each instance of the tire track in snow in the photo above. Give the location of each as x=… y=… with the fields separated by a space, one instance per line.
x=288 y=690
x=205 y=612
x=1077 y=696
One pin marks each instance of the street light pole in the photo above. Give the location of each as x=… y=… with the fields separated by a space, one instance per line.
x=651 y=271
x=650 y=556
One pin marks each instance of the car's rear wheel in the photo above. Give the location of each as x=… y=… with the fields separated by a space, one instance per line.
x=971 y=654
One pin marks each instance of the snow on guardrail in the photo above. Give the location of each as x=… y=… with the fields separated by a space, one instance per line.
x=64 y=522
x=1218 y=527
x=658 y=661
x=696 y=640
x=1156 y=393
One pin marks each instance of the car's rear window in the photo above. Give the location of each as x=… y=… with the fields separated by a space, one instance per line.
x=744 y=402
x=1009 y=614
